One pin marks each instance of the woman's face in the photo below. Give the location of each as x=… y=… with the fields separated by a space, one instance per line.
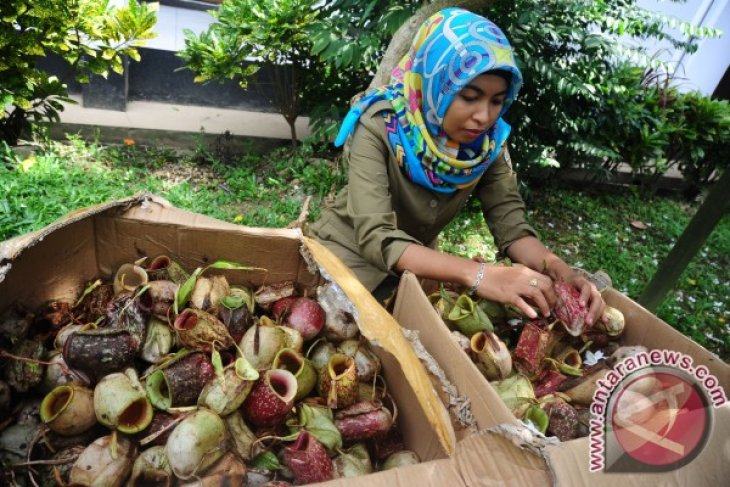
x=475 y=108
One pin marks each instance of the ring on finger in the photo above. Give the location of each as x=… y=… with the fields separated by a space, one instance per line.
x=533 y=282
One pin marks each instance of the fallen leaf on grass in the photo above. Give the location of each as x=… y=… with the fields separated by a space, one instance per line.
x=639 y=225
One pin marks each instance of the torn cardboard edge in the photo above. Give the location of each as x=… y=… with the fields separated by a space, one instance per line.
x=12 y=248
x=459 y=405
x=527 y=439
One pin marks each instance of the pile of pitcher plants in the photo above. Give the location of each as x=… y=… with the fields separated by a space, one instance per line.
x=546 y=369
x=164 y=377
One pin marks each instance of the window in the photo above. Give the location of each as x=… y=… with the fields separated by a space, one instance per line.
x=191 y=4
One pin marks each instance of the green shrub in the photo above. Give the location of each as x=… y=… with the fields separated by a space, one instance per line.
x=87 y=34
x=702 y=149
x=653 y=127
x=588 y=99
x=250 y=33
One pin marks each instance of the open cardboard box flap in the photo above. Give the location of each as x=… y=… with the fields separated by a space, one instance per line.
x=565 y=463
x=379 y=326
x=93 y=242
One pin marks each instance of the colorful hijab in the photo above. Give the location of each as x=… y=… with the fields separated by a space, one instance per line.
x=450 y=49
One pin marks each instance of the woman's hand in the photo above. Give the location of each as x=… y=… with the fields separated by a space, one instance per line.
x=518 y=285
x=589 y=294
x=531 y=252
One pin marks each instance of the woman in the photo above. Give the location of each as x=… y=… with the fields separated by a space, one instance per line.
x=419 y=148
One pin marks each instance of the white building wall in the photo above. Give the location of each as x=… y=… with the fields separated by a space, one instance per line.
x=170 y=24
x=703 y=70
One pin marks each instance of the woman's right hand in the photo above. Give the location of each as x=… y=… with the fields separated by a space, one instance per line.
x=520 y=286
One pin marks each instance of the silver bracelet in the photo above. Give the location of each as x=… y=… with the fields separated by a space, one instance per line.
x=478 y=280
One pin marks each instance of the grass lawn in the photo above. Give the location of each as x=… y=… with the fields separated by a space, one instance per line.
x=621 y=233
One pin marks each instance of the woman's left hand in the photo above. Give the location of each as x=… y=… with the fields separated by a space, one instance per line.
x=531 y=252
x=589 y=294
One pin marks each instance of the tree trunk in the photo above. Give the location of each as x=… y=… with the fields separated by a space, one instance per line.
x=714 y=207
x=293 y=128
x=13 y=126
x=401 y=41
x=284 y=94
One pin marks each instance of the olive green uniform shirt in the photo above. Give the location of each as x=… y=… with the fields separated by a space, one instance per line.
x=380 y=212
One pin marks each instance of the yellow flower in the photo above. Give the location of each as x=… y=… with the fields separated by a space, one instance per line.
x=27 y=163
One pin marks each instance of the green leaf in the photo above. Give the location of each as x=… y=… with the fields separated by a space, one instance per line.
x=267 y=461
x=183 y=294
x=227 y=264
x=593 y=41
x=538 y=417
x=347 y=53
x=23 y=103
x=570 y=370
x=319 y=422
x=215 y=359
x=89 y=289
x=117 y=66
x=245 y=370
x=233 y=301
x=320 y=45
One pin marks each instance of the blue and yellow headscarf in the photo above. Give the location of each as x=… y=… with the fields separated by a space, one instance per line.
x=450 y=49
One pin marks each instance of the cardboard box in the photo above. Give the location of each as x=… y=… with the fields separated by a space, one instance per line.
x=56 y=262
x=568 y=463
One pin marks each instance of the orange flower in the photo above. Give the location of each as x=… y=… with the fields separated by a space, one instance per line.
x=129 y=141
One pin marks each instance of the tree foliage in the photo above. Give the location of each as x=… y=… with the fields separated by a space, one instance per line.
x=247 y=34
x=319 y=54
x=587 y=93
x=92 y=37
